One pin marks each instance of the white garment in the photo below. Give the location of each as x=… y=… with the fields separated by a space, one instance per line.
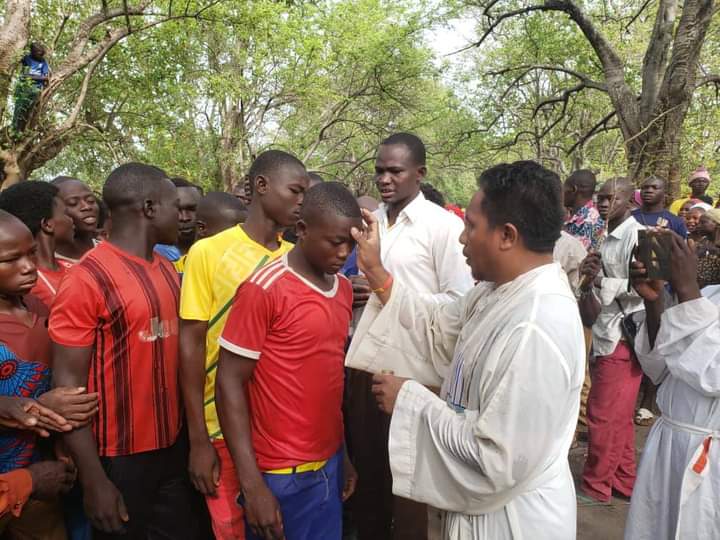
x=492 y=450
x=569 y=252
x=670 y=499
x=616 y=253
x=423 y=252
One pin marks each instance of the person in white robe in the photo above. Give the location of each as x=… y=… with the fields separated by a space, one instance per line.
x=491 y=450
x=676 y=495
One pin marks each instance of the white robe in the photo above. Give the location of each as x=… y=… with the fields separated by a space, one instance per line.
x=492 y=450
x=677 y=492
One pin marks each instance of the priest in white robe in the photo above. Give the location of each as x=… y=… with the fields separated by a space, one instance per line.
x=676 y=494
x=491 y=450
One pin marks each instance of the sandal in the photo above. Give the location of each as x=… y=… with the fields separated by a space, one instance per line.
x=643 y=417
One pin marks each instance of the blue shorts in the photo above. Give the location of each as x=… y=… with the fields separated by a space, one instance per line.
x=310 y=502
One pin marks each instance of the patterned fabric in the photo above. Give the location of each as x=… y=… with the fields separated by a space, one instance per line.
x=19 y=378
x=587 y=226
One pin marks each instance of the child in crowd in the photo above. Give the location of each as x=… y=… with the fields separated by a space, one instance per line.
x=40 y=208
x=25 y=362
x=284 y=342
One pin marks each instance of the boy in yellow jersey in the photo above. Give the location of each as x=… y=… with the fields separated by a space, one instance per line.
x=214 y=269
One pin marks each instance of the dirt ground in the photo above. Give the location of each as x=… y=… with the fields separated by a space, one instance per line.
x=602 y=522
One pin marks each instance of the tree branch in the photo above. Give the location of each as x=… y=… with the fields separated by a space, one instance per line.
x=600 y=127
x=589 y=83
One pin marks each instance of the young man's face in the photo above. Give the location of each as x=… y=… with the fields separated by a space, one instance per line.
x=611 y=202
x=38 y=53
x=282 y=194
x=397 y=176
x=81 y=205
x=699 y=186
x=63 y=225
x=652 y=192
x=167 y=209
x=480 y=240
x=18 y=258
x=188 y=198
x=327 y=242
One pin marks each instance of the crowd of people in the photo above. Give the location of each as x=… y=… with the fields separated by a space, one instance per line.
x=293 y=361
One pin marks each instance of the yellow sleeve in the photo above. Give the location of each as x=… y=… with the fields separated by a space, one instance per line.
x=677 y=205
x=196 y=291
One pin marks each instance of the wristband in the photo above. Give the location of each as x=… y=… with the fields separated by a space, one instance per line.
x=385 y=286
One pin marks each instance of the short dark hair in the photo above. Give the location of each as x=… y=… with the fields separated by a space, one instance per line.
x=411 y=142
x=315 y=177
x=131 y=183
x=270 y=161
x=653 y=178
x=219 y=200
x=62 y=179
x=181 y=182
x=432 y=194
x=329 y=198
x=584 y=180
x=31 y=202
x=527 y=195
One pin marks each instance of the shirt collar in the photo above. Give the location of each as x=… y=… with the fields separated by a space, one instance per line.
x=413 y=211
x=619 y=231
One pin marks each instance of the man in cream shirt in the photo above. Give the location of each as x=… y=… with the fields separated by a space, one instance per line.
x=421 y=248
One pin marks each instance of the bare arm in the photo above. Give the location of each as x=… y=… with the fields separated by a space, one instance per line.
x=261 y=507
x=589 y=305
x=103 y=502
x=203 y=462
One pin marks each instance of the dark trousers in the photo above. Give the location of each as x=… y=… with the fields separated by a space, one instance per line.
x=161 y=502
x=377 y=514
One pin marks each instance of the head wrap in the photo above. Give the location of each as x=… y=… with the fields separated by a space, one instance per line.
x=702 y=206
x=714 y=214
x=700 y=172
x=638 y=197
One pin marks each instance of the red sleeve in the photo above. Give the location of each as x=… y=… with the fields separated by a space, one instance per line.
x=248 y=322
x=75 y=312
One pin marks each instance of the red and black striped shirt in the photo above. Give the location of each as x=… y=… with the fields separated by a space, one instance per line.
x=126 y=309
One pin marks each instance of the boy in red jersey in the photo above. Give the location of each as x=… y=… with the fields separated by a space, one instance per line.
x=39 y=206
x=284 y=341
x=114 y=326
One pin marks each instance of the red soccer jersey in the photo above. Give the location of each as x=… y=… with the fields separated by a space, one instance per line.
x=297 y=333
x=48 y=282
x=126 y=309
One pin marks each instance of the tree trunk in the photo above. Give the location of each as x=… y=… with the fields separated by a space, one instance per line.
x=14 y=35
